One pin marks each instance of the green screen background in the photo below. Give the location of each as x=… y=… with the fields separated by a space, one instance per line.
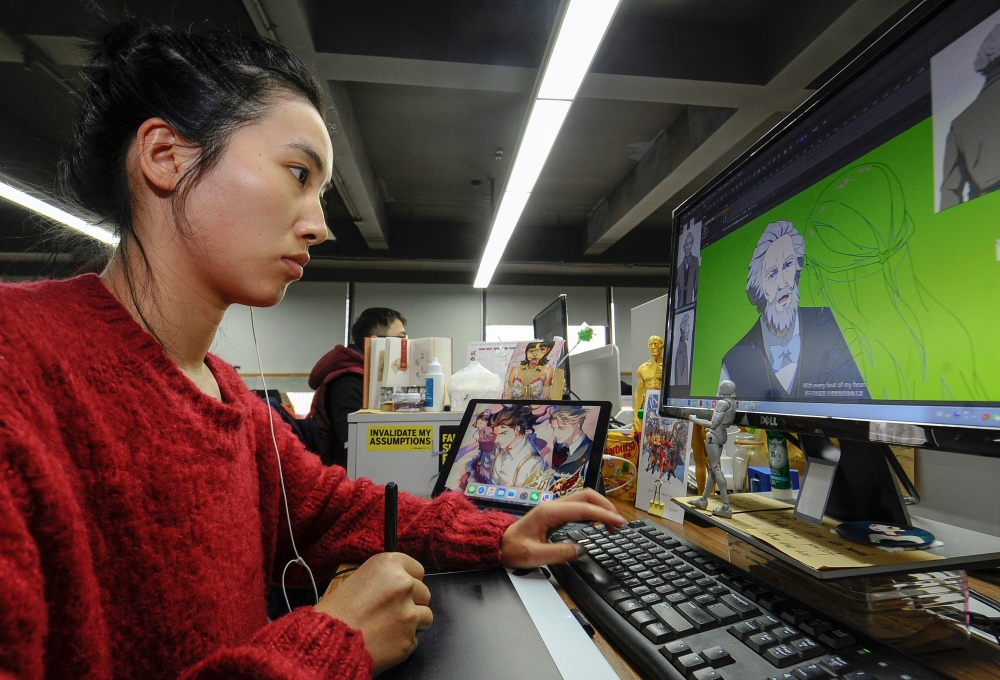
x=921 y=331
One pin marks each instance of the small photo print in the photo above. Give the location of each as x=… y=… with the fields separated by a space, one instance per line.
x=664 y=452
x=680 y=360
x=965 y=100
x=532 y=370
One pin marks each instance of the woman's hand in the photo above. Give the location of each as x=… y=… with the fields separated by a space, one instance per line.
x=524 y=543
x=386 y=600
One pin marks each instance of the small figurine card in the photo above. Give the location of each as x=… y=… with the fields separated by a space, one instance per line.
x=664 y=451
x=533 y=371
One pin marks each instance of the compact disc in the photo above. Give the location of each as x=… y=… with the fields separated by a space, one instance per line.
x=887 y=535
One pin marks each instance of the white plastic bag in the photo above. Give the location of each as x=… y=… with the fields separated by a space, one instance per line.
x=473 y=382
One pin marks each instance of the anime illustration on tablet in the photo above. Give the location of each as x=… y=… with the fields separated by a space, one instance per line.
x=517 y=446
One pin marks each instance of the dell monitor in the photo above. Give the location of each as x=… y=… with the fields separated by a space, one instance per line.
x=844 y=272
x=553 y=322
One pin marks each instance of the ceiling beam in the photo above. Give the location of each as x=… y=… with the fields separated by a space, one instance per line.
x=424 y=73
x=285 y=21
x=630 y=202
x=358 y=68
x=465 y=76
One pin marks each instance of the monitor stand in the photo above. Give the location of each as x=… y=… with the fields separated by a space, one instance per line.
x=864 y=486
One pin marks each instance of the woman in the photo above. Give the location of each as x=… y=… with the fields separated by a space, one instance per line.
x=532 y=378
x=141 y=511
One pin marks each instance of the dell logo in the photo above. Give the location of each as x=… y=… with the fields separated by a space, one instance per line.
x=769 y=421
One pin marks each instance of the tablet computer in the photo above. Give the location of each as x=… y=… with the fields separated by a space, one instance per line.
x=515 y=454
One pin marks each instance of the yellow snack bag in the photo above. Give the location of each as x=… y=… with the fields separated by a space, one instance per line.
x=618 y=472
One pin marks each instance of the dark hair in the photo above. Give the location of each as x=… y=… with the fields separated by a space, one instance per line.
x=372 y=319
x=517 y=417
x=205 y=85
x=547 y=345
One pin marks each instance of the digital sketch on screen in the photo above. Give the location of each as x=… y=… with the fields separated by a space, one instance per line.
x=859 y=264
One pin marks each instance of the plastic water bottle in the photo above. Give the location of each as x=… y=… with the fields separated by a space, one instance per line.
x=434 y=387
x=781 y=479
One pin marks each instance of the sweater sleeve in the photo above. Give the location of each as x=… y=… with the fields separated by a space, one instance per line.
x=336 y=520
x=50 y=602
x=303 y=645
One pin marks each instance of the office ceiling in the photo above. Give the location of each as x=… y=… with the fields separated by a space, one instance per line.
x=427 y=101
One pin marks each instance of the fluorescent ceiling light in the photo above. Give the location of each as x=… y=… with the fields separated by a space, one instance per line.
x=579 y=35
x=547 y=116
x=582 y=30
x=53 y=213
x=509 y=212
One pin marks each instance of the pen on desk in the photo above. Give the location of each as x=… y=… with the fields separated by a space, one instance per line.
x=391 y=495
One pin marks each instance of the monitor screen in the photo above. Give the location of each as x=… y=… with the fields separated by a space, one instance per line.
x=849 y=267
x=524 y=454
x=553 y=322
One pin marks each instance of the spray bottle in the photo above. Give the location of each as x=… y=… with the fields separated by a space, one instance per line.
x=434 y=387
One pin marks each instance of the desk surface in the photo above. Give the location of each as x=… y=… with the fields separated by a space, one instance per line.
x=980 y=661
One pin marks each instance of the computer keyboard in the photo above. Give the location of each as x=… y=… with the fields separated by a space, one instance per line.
x=680 y=613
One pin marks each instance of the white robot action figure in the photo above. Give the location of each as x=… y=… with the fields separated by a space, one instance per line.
x=722 y=418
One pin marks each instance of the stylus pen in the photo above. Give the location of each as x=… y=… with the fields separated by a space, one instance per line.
x=391 y=497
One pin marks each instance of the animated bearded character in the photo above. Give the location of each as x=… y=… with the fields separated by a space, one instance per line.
x=532 y=378
x=570 y=444
x=910 y=345
x=792 y=351
x=517 y=459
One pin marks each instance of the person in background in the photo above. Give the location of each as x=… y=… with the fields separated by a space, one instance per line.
x=338 y=379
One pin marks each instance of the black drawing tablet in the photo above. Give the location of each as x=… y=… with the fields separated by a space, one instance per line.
x=481 y=630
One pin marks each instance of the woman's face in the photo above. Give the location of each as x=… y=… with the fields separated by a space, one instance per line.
x=536 y=353
x=253 y=216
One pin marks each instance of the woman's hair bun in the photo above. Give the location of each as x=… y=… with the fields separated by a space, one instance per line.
x=116 y=42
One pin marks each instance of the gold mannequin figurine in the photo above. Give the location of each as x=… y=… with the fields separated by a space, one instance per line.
x=647 y=378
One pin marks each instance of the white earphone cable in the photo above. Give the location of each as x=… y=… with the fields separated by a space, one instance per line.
x=281 y=477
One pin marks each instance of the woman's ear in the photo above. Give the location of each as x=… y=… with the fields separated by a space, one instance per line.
x=162 y=155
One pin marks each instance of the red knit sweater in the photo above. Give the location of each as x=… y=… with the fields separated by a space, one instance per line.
x=140 y=519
